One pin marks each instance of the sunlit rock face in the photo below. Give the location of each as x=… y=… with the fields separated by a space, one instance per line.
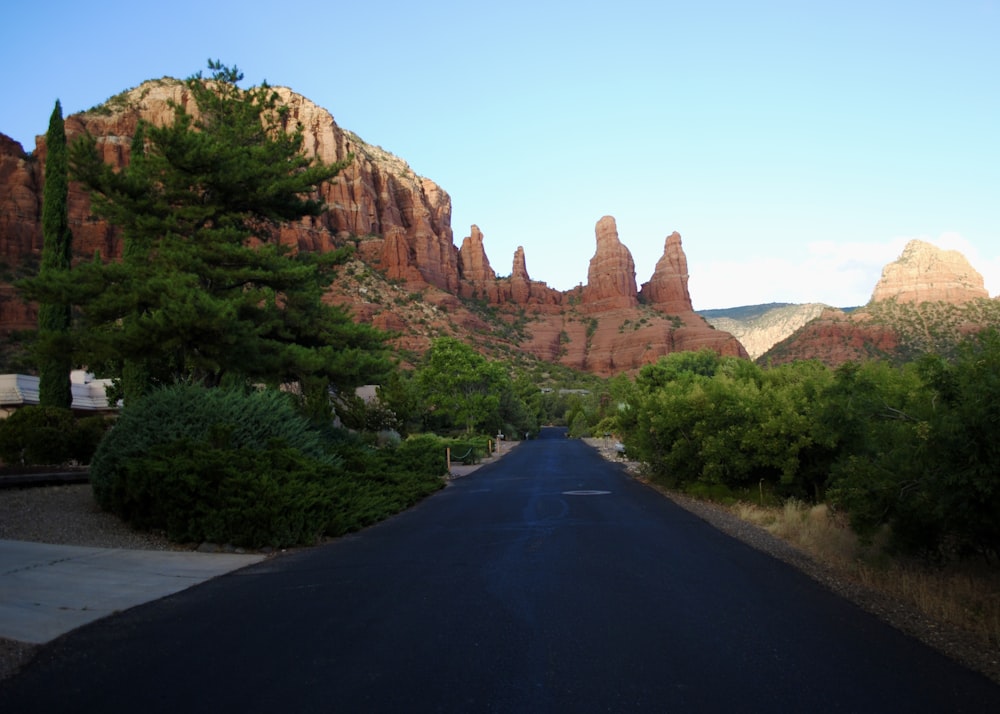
x=926 y=273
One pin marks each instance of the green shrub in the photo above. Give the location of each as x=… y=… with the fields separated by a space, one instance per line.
x=423 y=455
x=197 y=491
x=248 y=421
x=49 y=435
x=380 y=482
x=248 y=469
x=715 y=492
x=37 y=435
x=87 y=437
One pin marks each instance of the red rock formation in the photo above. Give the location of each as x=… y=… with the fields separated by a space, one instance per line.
x=397 y=259
x=611 y=275
x=478 y=280
x=376 y=194
x=926 y=273
x=473 y=265
x=401 y=225
x=667 y=290
x=20 y=200
x=20 y=227
x=925 y=301
x=834 y=338
x=520 y=281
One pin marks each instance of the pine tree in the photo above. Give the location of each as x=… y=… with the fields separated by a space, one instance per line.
x=54 y=354
x=205 y=292
x=135 y=379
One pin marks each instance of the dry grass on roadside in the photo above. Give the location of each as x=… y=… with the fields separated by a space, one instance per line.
x=966 y=595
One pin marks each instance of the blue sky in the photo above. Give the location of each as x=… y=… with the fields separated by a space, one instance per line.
x=795 y=146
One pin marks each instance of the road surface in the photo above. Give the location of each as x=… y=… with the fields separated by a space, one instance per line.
x=548 y=581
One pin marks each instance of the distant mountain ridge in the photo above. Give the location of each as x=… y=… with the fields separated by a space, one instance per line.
x=927 y=300
x=760 y=327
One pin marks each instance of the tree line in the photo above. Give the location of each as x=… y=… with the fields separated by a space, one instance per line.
x=910 y=449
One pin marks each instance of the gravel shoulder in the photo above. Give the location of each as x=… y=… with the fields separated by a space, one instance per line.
x=68 y=515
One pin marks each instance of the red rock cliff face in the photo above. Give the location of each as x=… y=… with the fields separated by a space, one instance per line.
x=478 y=279
x=376 y=195
x=401 y=225
x=473 y=265
x=834 y=338
x=20 y=200
x=20 y=228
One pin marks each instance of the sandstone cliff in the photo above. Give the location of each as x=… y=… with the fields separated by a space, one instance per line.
x=20 y=230
x=410 y=278
x=376 y=195
x=926 y=273
x=836 y=337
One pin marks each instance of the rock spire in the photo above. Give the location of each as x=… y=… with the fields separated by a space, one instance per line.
x=667 y=289
x=611 y=275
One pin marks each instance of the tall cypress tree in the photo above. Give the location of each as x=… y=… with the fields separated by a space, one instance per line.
x=55 y=356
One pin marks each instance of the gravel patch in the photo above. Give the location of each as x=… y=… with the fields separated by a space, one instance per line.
x=68 y=515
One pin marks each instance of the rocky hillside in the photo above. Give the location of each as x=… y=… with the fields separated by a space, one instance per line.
x=409 y=276
x=928 y=300
x=760 y=327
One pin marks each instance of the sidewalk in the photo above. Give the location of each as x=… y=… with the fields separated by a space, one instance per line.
x=47 y=590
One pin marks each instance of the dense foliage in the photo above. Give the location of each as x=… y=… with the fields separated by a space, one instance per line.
x=38 y=435
x=231 y=417
x=456 y=389
x=246 y=467
x=912 y=448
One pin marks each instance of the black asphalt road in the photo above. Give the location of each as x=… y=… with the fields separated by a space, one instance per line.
x=546 y=582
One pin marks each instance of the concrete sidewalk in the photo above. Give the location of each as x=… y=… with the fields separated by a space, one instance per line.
x=48 y=590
